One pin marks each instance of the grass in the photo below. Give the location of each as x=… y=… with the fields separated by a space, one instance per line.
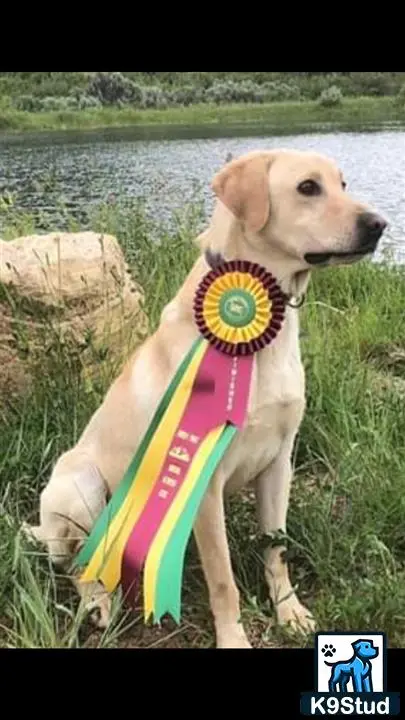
x=280 y=116
x=347 y=513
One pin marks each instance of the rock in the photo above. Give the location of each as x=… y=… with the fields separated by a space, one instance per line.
x=65 y=290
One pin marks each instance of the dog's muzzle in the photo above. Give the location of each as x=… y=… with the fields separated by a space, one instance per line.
x=369 y=229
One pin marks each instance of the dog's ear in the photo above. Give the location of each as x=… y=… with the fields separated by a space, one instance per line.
x=242 y=185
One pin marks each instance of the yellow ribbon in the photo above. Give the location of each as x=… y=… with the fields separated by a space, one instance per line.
x=172 y=517
x=106 y=565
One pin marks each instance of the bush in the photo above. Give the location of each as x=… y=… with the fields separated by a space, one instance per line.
x=278 y=91
x=186 y=95
x=249 y=91
x=82 y=99
x=85 y=102
x=228 y=91
x=154 y=97
x=56 y=104
x=400 y=98
x=111 y=88
x=331 y=97
x=376 y=84
x=312 y=87
x=135 y=93
x=221 y=92
x=76 y=100
x=28 y=103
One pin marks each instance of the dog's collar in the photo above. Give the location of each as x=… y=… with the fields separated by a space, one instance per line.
x=215 y=260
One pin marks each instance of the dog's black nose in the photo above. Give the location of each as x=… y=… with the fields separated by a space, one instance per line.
x=370 y=227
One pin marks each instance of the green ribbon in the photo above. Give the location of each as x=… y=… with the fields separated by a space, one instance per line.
x=119 y=496
x=169 y=578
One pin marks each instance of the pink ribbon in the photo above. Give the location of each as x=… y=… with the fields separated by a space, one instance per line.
x=220 y=394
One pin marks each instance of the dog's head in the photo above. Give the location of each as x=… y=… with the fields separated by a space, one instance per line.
x=365 y=649
x=296 y=203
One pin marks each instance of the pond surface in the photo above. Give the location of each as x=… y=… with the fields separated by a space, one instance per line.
x=168 y=171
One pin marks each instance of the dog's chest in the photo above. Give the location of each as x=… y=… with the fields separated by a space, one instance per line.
x=276 y=407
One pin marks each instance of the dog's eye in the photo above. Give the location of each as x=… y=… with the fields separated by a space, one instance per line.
x=309 y=188
x=344 y=185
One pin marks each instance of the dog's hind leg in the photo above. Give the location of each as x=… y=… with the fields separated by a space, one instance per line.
x=69 y=505
x=344 y=681
x=272 y=492
x=335 y=680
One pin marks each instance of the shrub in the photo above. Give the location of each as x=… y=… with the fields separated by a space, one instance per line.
x=312 y=87
x=28 y=103
x=376 y=84
x=56 y=104
x=278 y=91
x=186 y=95
x=135 y=93
x=331 y=97
x=221 y=92
x=77 y=100
x=85 y=102
x=228 y=91
x=111 y=88
x=154 y=97
x=400 y=97
x=249 y=91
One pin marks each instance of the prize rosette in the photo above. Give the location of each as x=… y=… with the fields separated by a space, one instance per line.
x=145 y=528
x=239 y=308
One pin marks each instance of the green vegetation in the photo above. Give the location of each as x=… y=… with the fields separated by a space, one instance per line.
x=347 y=515
x=282 y=117
x=58 y=101
x=112 y=87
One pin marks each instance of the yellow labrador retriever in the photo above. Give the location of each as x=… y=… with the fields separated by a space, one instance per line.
x=287 y=211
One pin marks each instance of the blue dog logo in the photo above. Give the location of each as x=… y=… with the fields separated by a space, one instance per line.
x=355 y=686
x=358 y=669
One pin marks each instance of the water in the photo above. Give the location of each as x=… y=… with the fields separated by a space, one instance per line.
x=168 y=171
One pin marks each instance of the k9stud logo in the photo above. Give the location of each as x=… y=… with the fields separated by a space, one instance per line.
x=350 y=676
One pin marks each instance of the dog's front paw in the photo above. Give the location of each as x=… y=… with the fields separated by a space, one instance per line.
x=97 y=603
x=232 y=638
x=100 y=611
x=294 y=615
x=32 y=533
